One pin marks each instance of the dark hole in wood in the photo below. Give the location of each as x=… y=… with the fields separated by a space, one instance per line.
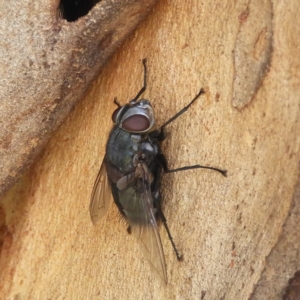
x=71 y=10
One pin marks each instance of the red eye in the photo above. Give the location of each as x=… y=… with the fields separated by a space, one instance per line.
x=115 y=113
x=136 y=123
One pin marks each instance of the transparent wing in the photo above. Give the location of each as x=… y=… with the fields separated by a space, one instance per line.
x=137 y=202
x=101 y=195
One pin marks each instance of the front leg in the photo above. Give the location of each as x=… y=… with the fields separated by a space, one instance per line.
x=158 y=135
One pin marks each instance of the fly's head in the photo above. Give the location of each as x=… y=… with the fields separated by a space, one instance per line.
x=135 y=116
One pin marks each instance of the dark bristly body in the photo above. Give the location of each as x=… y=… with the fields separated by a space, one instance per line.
x=132 y=170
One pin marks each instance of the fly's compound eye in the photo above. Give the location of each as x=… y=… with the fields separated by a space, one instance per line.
x=115 y=114
x=136 y=123
x=135 y=117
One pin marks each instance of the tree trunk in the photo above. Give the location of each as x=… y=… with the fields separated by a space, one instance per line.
x=225 y=227
x=47 y=64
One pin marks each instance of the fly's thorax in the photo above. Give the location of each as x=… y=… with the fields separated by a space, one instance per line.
x=120 y=149
x=136 y=139
x=135 y=117
x=148 y=148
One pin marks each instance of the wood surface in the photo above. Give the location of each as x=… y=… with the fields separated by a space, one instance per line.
x=46 y=65
x=225 y=227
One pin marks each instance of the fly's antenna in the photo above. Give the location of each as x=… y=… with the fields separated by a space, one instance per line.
x=117 y=102
x=142 y=90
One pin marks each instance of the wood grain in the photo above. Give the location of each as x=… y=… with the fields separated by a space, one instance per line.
x=46 y=65
x=225 y=227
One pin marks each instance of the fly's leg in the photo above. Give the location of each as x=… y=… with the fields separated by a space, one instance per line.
x=159 y=213
x=156 y=195
x=163 y=162
x=160 y=135
x=223 y=172
x=201 y=92
x=164 y=221
x=142 y=90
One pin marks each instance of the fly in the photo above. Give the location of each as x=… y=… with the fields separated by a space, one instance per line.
x=131 y=171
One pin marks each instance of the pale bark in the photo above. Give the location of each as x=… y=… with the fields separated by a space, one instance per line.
x=46 y=64
x=225 y=227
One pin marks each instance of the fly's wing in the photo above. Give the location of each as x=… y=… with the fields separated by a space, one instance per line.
x=137 y=203
x=101 y=195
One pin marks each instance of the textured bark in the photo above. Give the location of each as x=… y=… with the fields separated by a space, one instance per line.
x=46 y=65
x=225 y=227
x=284 y=260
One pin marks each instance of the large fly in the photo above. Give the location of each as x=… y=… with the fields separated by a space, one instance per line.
x=131 y=171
